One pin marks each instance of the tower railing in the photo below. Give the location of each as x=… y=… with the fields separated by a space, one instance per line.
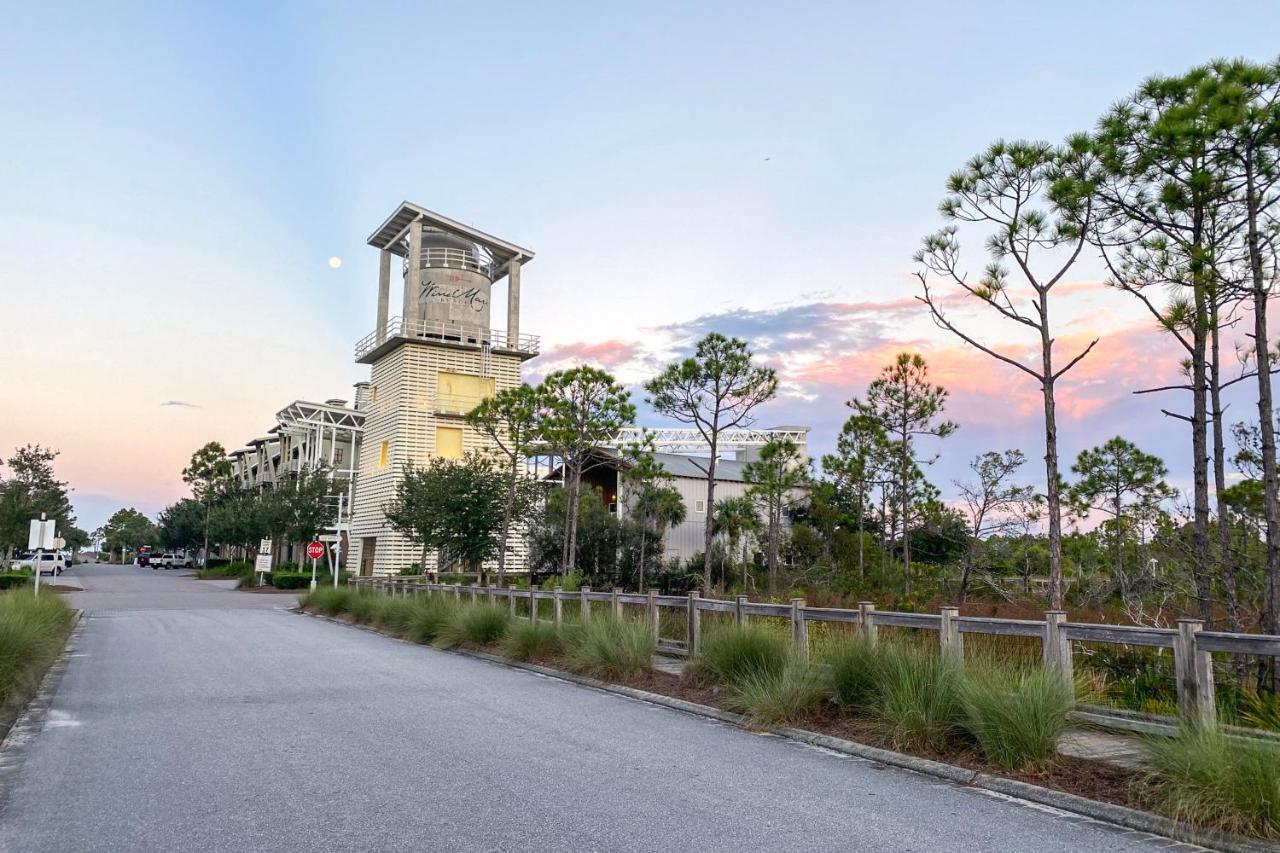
x=447 y=332
x=434 y=256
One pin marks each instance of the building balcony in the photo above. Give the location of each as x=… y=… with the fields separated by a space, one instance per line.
x=373 y=345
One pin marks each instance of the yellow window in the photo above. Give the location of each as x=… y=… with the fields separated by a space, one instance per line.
x=449 y=442
x=384 y=455
x=461 y=392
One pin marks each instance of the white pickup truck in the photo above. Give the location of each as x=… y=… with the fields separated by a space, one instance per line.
x=171 y=560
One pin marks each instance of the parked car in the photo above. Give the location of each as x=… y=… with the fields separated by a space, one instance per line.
x=51 y=562
x=144 y=558
x=171 y=560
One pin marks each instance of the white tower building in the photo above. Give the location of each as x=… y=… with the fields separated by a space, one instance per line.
x=431 y=364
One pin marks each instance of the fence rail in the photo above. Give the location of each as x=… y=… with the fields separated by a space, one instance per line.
x=1191 y=645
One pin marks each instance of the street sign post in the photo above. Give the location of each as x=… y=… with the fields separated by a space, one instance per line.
x=43 y=535
x=315 y=551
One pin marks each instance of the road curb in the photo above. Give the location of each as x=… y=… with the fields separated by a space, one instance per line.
x=1122 y=816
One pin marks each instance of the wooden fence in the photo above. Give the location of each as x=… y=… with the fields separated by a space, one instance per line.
x=1192 y=645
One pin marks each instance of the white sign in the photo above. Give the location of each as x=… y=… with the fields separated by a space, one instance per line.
x=263 y=561
x=42 y=534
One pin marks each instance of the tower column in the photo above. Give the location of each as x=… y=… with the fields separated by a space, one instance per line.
x=413 y=278
x=513 y=304
x=384 y=293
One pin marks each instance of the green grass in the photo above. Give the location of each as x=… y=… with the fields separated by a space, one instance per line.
x=228 y=570
x=532 y=641
x=1016 y=716
x=918 y=697
x=779 y=696
x=363 y=606
x=33 y=631
x=327 y=600
x=852 y=672
x=474 y=627
x=610 y=648
x=1205 y=778
x=730 y=653
x=428 y=619
x=392 y=615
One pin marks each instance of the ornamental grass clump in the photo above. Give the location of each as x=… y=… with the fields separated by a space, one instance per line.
x=611 y=648
x=428 y=618
x=532 y=641
x=32 y=633
x=731 y=653
x=474 y=627
x=363 y=606
x=852 y=674
x=1208 y=778
x=328 y=600
x=1016 y=716
x=918 y=697
x=392 y=615
x=780 y=696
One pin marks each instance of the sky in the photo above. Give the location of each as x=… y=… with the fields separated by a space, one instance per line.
x=176 y=178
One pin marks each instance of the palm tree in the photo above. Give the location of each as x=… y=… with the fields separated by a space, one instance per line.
x=656 y=508
x=736 y=518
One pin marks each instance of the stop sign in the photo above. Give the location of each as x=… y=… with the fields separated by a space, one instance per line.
x=315 y=550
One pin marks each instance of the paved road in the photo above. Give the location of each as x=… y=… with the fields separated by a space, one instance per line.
x=195 y=718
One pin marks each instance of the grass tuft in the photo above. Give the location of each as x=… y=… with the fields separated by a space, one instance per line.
x=1206 y=778
x=428 y=619
x=852 y=672
x=611 y=648
x=33 y=631
x=532 y=641
x=474 y=627
x=392 y=615
x=777 y=697
x=918 y=702
x=730 y=653
x=1016 y=717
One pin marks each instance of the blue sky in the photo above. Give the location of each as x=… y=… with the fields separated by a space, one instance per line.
x=177 y=177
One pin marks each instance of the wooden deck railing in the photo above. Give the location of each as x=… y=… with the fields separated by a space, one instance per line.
x=1192 y=646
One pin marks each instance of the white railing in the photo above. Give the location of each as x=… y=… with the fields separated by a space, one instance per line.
x=458 y=334
x=459 y=259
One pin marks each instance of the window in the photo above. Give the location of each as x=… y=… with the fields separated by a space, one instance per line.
x=699 y=506
x=373 y=393
x=459 y=393
x=449 y=442
x=337 y=455
x=384 y=455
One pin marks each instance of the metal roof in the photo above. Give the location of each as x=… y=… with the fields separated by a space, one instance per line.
x=693 y=467
x=392 y=235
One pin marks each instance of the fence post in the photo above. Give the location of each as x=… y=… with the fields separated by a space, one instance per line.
x=694 y=618
x=949 y=636
x=615 y=603
x=557 y=606
x=475 y=592
x=799 y=628
x=1057 y=648
x=457 y=591
x=511 y=601
x=533 y=603
x=739 y=614
x=1194 y=669
x=488 y=592
x=867 y=620
x=651 y=612
x=584 y=594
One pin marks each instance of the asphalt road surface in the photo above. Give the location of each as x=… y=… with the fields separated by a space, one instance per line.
x=195 y=718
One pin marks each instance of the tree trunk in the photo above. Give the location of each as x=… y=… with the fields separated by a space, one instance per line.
x=1226 y=566
x=574 y=495
x=642 y=544
x=1053 y=499
x=1200 y=450
x=775 y=521
x=862 y=570
x=1266 y=418
x=708 y=531
x=507 y=509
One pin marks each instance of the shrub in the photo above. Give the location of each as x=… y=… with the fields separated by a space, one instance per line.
x=1261 y=710
x=918 y=696
x=1207 y=778
x=1016 y=717
x=32 y=633
x=289 y=580
x=428 y=618
x=474 y=627
x=226 y=570
x=782 y=696
x=611 y=648
x=731 y=653
x=852 y=667
x=532 y=641
x=8 y=580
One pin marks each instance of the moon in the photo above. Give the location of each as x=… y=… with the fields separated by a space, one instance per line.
x=335 y=262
